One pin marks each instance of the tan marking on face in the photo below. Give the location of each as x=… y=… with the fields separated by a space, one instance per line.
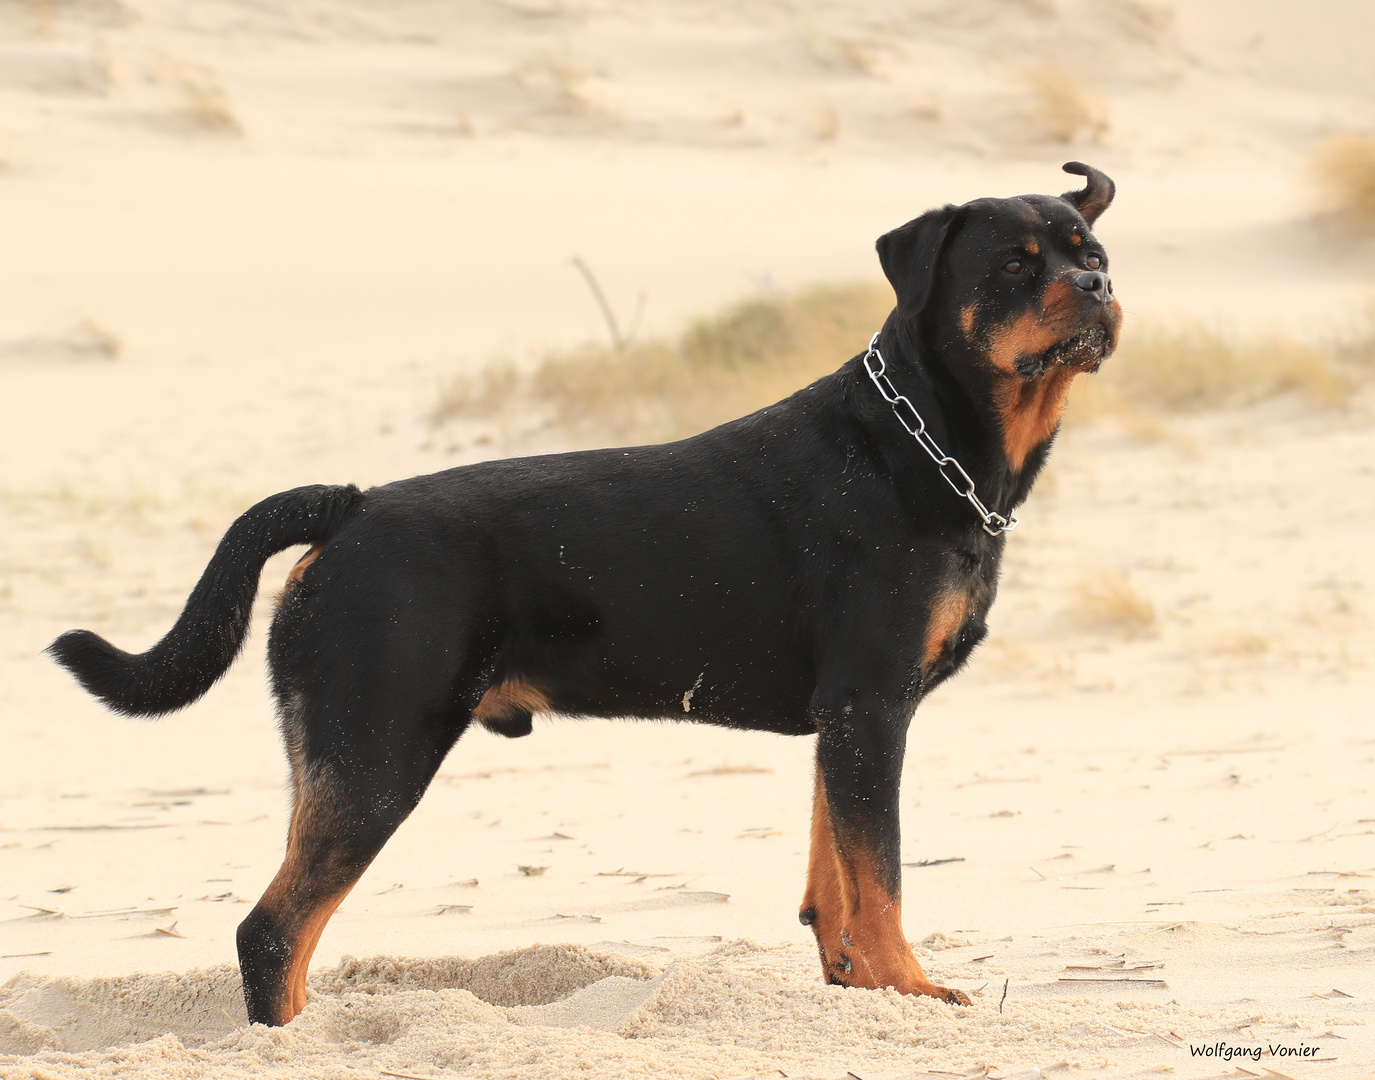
x=1031 y=247
x=1031 y=410
x=947 y=616
x=858 y=921
x=967 y=320
x=504 y=698
x=1114 y=324
x=1075 y=240
x=1035 y=331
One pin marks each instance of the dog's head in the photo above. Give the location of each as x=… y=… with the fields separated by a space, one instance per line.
x=1021 y=282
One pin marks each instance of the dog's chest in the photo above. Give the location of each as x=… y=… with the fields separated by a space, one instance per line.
x=956 y=618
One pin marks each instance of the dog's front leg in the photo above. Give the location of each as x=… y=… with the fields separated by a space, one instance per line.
x=853 y=901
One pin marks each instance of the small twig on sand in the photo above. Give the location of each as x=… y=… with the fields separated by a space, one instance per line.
x=935 y=862
x=1004 y=997
x=117 y=912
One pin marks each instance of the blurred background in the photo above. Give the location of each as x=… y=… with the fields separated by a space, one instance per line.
x=279 y=242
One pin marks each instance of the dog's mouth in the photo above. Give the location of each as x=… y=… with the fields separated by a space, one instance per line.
x=1085 y=352
x=1087 y=349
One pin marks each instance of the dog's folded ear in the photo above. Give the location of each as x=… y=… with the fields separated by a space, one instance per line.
x=909 y=255
x=1094 y=198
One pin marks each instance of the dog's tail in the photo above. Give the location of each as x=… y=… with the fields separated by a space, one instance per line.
x=211 y=628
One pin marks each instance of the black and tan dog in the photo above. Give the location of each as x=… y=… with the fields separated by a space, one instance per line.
x=806 y=570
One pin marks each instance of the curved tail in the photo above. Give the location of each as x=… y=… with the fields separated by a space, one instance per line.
x=211 y=628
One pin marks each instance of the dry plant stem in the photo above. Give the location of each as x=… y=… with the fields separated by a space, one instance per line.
x=618 y=341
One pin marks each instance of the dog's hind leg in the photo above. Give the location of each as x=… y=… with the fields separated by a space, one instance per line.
x=346 y=807
x=853 y=901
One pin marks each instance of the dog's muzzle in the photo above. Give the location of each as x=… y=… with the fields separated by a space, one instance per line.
x=1086 y=350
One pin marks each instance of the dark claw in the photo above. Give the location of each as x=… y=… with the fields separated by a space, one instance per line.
x=807 y=916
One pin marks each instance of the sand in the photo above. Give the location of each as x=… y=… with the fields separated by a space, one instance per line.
x=245 y=244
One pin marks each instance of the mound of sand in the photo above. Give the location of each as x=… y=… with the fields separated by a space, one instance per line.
x=737 y=1010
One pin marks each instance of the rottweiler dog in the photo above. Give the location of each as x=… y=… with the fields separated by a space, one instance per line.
x=815 y=568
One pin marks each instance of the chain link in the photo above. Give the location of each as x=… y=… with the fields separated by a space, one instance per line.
x=910 y=419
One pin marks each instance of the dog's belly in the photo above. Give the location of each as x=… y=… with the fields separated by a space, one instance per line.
x=756 y=692
x=688 y=655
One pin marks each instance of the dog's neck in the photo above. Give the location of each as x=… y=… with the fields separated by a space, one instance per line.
x=999 y=427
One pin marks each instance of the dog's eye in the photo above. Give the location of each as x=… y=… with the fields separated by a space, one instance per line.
x=1014 y=266
x=1093 y=262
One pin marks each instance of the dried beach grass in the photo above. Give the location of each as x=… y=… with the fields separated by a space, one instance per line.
x=1107 y=603
x=761 y=350
x=1193 y=368
x=1345 y=171
x=751 y=355
x=205 y=104
x=1066 y=111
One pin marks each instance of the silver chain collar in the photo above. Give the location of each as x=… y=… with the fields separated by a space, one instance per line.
x=960 y=483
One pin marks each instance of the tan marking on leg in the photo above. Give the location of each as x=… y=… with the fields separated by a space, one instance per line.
x=298 y=570
x=880 y=954
x=858 y=926
x=311 y=817
x=303 y=563
x=502 y=698
x=824 y=899
x=947 y=616
x=305 y=949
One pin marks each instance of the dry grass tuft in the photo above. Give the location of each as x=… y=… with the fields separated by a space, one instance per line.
x=89 y=338
x=1195 y=368
x=483 y=394
x=752 y=355
x=824 y=121
x=1139 y=20
x=1107 y=603
x=1345 y=169
x=561 y=76
x=1243 y=645
x=205 y=104
x=763 y=349
x=1066 y=111
x=842 y=55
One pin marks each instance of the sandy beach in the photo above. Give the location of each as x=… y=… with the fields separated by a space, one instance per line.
x=247 y=247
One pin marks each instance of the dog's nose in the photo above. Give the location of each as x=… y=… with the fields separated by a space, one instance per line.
x=1095 y=281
